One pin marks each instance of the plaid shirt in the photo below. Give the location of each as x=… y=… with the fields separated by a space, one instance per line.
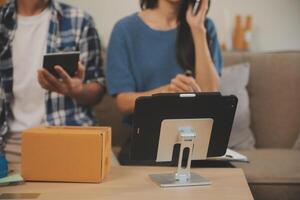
x=70 y=30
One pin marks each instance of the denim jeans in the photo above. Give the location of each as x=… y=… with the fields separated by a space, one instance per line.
x=3 y=166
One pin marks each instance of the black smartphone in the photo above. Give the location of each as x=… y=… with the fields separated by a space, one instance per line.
x=196 y=6
x=67 y=60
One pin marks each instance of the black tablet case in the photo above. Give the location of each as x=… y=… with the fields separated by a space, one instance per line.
x=151 y=111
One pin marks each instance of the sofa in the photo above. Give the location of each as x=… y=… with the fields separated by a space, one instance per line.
x=274 y=92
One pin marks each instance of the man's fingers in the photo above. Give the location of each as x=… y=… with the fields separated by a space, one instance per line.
x=81 y=71
x=41 y=82
x=44 y=83
x=54 y=82
x=64 y=75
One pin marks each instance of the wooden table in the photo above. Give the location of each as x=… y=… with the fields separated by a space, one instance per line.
x=130 y=183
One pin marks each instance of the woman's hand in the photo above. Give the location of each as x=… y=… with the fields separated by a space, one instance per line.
x=196 y=22
x=182 y=83
x=68 y=86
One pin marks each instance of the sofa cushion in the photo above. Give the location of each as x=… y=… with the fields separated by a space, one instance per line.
x=297 y=143
x=107 y=113
x=274 y=96
x=272 y=166
x=275 y=191
x=234 y=81
x=275 y=99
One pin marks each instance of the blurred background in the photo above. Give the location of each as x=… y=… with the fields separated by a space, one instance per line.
x=275 y=27
x=261 y=52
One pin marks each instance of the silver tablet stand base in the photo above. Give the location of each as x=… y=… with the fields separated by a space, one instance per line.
x=183 y=177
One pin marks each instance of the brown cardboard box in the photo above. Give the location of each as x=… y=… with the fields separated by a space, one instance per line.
x=66 y=154
x=2 y=2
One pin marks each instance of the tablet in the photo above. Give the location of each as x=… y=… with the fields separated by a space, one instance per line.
x=150 y=112
x=67 y=60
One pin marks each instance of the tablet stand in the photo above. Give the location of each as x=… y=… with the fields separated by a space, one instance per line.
x=183 y=176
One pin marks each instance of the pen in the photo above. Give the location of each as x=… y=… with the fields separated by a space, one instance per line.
x=188 y=73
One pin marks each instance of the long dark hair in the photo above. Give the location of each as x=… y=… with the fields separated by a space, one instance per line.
x=185 y=48
x=148 y=4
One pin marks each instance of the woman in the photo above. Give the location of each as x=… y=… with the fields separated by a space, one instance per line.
x=149 y=52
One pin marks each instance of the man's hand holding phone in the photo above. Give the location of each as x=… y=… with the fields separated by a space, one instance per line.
x=66 y=85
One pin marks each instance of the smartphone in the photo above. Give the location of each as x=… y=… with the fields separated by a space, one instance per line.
x=196 y=7
x=67 y=60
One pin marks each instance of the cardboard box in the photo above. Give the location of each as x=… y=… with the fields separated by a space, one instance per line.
x=2 y=2
x=66 y=154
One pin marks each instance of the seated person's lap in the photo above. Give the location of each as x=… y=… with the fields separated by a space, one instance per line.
x=13 y=147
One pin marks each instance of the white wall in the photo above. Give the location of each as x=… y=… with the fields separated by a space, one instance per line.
x=276 y=22
x=106 y=12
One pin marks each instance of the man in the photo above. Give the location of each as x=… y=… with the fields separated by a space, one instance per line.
x=32 y=96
